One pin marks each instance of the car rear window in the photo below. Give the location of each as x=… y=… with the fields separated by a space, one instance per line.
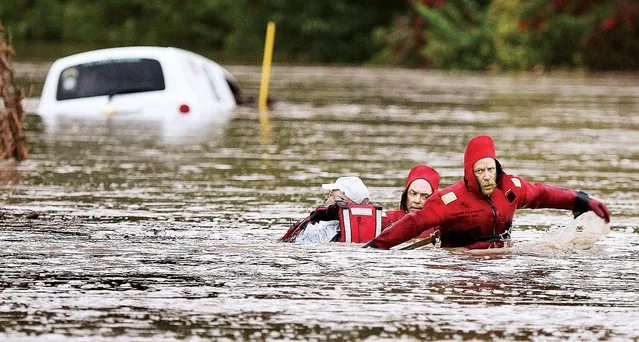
x=110 y=77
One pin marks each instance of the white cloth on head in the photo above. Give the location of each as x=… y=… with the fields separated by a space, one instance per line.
x=352 y=187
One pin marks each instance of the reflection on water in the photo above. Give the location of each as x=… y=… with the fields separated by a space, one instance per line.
x=142 y=231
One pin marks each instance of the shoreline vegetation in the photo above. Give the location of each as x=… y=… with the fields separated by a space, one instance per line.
x=459 y=35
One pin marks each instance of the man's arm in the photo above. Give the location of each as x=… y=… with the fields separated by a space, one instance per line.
x=540 y=195
x=408 y=227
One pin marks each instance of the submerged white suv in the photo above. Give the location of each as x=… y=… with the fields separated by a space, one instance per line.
x=138 y=83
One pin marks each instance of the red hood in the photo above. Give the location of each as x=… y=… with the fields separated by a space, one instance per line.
x=420 y=172
x=423 y=172
x=477 y=148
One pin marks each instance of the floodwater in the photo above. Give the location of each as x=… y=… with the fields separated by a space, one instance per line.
x=115 y=231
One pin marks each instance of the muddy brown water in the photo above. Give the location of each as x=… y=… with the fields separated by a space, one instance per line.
x=119 y=231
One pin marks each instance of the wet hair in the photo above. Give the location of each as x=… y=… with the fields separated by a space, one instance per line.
x=402 y=203
x=499 y=172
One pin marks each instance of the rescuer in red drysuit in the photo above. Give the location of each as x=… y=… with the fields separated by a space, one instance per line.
x=421 y=183
x=477 y=212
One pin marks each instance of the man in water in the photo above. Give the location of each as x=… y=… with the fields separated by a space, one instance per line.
x=323 y=224
x=349 y=189
x=421 y=183
x=477 y=211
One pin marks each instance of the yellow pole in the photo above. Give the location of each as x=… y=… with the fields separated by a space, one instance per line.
x=266 y=65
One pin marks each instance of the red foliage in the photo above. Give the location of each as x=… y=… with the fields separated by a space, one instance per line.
x=539 y=23
x=609 y=24
x=434 y=3
x=628 y=12
x=556 y=4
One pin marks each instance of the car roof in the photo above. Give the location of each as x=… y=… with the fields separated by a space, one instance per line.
x=155 y=52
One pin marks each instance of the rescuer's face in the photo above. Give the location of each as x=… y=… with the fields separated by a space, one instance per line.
x=418 y=191
x=485 y=171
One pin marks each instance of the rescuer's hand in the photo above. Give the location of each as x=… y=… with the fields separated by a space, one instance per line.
x=599 y=208
x=584 y=203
